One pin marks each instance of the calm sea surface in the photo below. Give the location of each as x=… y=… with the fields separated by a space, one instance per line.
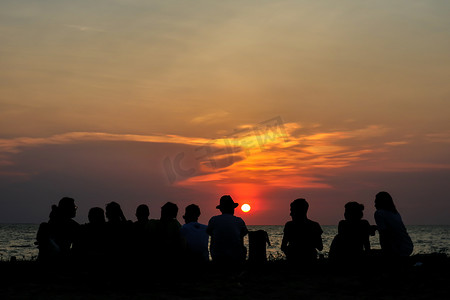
x=18 y=239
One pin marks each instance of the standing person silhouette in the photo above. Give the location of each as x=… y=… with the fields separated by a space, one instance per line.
x=394 y=239
x=227 y=235
x=302 y=237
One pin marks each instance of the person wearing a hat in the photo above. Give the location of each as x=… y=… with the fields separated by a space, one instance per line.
x=227 y=234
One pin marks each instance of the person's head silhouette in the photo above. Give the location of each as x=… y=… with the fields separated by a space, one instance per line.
x=227 y=205
x=384 y=201
x=67 y=208
x=192 y=213
x=54 y=215
x=299 y=209
x=114 y=213
x=353 y=211
x=96 y=215
x=169 y=211
x=142 y=213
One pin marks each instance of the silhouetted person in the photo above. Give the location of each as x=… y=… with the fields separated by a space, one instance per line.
x=96 y=216
x=394 y=239
x=195 y=235
x=227 y=235
x=118 y=234
x=352 y=241
x=91 y=245
x=142 y=215
x=45 y=238
x=257 y=241
x=167 y=242
x=302 y=237
x=141 y=234
x=66 y=227
x=56 y=237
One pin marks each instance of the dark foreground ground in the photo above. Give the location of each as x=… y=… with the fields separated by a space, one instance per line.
x=429 y=279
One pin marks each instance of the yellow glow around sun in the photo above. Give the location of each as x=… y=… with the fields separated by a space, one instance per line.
x=245 y=207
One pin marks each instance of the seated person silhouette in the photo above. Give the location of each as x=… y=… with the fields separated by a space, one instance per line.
x=394 y=238
x=118 y=237
x=301 y=237
x=167 y=243
x=45 y=238
x=195 y=235
x=91 y=245
x=352 y=241
x=257 y=241
x=141 y=234
x=227 y=234
x=61 y=231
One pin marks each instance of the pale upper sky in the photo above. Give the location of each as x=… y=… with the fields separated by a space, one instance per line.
x=97 y=99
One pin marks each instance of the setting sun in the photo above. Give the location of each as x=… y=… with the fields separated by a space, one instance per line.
x=245 y=207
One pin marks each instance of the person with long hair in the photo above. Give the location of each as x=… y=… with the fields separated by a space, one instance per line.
x=394 y=238
x=117 y=233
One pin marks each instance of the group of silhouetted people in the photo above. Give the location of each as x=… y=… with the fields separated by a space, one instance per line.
x=110 y=239
x=302 y=237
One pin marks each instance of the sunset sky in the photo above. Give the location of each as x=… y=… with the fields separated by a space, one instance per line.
x=140 y=101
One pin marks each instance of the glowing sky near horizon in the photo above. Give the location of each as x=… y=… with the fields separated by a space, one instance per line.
x=331 y=101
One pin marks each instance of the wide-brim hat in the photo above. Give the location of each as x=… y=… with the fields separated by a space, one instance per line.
x=227 y=202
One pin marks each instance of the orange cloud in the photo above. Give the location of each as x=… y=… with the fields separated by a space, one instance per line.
x=441 y=137
x=399 y=143
x=14 y=145
x=282 y=158
x=270 y=154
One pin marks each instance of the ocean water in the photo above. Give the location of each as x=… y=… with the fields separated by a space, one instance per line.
x=18 y=239
x=426 y=239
